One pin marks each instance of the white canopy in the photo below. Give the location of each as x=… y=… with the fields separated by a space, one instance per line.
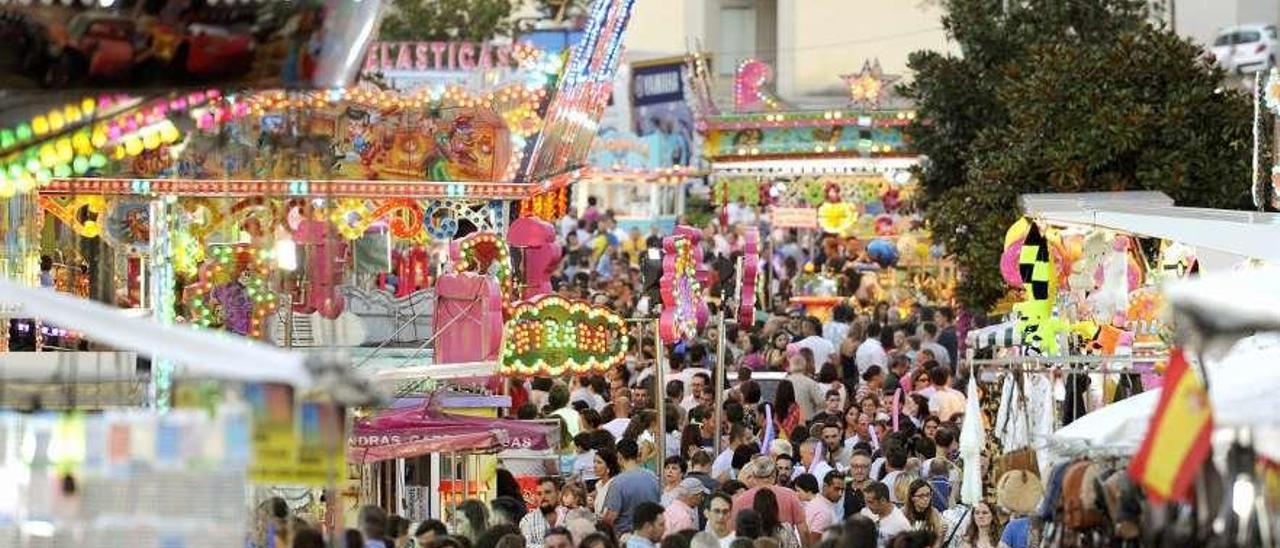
x=200 y=353
x=1218 y=235
x=1242 y=390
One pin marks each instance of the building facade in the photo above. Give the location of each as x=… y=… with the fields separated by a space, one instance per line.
x=810 y=43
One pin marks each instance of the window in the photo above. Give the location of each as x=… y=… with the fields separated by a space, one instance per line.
x=737 y=38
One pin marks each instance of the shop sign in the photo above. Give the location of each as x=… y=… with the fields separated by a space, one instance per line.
x=439 y=56
x=794 y=217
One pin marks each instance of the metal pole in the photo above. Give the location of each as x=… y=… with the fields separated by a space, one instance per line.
x=659 y=395
x=718 y=412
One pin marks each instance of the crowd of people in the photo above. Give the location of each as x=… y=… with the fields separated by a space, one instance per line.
x=840 y=433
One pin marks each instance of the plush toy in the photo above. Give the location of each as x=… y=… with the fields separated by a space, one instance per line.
x=1013 y=239
x=1035 y=313
x=1111 y=299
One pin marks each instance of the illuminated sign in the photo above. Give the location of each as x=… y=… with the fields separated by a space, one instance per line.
x=551 y=335
x=441 y=56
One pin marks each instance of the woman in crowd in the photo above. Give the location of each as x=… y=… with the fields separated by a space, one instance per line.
x=607 y=468
x=672 y=473
x=786 y=412
x=775 y=358
x=766 y=504
x=920 y=513
x=983 y=531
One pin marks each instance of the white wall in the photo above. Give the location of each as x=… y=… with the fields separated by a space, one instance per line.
x=660 y=26
x=1199 y=20
x=834 y=37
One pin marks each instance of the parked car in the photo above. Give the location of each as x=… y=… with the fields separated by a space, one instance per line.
x=1245 y=48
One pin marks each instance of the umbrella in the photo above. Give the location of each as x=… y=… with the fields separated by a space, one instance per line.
x=971 y=436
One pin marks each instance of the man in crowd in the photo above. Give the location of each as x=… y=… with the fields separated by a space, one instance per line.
x=807 y=490
x=759 y=474
x=810 y=463
x=888 y=518
x=650 y=525
x=634 y=487
x=718 y=518
x=534 y=525
x=373 y=524
x=809 y=394
x=822 y=348
x=700 y=469
x=929 y=341
x=682 y=513
x=722 y=467
x=871 y=351
x=832 y=410
x=945 y=402
x=430 y=530
x=557 y=537
x=895 y=461
x=621 y=417
x=859 y=479
x=835 y=452
x=946 y=320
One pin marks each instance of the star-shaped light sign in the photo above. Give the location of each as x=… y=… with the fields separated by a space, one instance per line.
x=868 y=86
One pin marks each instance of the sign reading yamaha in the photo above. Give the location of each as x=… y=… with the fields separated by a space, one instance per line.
x=655 y=84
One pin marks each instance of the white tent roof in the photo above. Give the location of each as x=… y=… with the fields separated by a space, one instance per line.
x=1152 y=214
x=1235 y=301
x=1241 y=389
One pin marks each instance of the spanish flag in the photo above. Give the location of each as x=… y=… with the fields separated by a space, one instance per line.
x=1177 y=441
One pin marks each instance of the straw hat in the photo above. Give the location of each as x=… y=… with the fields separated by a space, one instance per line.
x=1019 y=491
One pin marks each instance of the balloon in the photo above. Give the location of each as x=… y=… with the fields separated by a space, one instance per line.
x=883 y=252
x=1013 y=239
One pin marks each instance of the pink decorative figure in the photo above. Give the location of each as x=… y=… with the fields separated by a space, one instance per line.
x=684 y=305
x=468 y=318
x=326 y=254
x=751 y=89
x=537 y=239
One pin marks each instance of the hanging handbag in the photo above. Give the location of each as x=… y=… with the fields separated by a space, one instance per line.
x=1024 y=458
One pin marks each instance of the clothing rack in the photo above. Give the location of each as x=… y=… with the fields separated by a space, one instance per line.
x=1035 y=363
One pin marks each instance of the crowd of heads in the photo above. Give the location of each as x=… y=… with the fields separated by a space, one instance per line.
x=839 y=431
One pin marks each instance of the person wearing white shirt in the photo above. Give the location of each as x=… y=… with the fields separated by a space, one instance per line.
x=889 y=519
x=810 y=463
x=838 y=328
x=722 y=467
x=945 y=401
x=871 y=352
x=621 y=410
x=822 y=348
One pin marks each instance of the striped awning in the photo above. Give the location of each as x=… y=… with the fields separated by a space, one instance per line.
x=1001 y=335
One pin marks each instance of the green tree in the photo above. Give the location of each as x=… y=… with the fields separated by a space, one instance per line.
x=440 y=20
x=1065 y=96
